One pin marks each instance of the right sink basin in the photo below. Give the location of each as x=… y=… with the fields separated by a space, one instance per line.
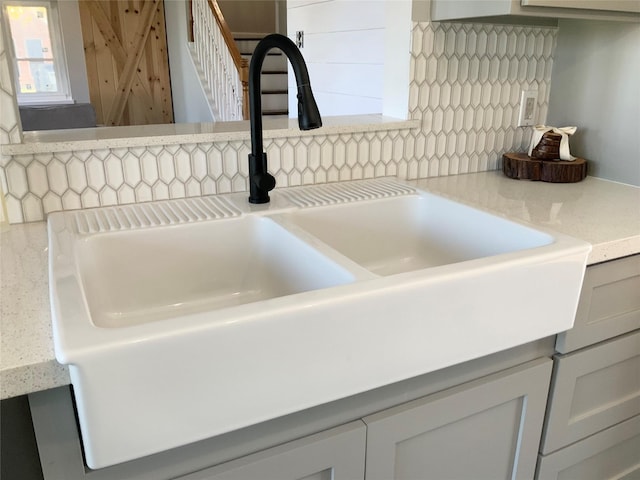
x=408 y=233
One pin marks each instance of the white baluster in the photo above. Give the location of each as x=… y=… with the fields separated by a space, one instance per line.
x=221 y=74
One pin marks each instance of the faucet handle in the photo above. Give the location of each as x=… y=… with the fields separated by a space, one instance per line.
x=259 y=186
x=265 y=181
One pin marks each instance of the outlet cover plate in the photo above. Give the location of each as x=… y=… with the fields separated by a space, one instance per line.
x=528 y=107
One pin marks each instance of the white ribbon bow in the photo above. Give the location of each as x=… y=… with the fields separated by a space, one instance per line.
x=540 y=130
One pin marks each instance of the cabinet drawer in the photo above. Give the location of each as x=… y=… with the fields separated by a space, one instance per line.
x=593 y=389
x=335 y=454
x=609 y=304
x=613 y=453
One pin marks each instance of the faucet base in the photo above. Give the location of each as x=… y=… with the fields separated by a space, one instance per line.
x=261 y=182
x=260 y=199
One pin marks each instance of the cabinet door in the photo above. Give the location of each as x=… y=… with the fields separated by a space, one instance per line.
x=539 y=11
x=612 y=453
x=609 y=304
x=486 y=429
x=335 y=454
x=610 y=5
x=593 y=389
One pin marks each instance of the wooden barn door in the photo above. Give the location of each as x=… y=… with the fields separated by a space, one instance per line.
x=125 y=46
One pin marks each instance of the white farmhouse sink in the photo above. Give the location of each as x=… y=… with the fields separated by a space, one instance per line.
x=182 y=320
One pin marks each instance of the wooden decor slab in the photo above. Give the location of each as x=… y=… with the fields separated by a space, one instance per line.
x=522 y=167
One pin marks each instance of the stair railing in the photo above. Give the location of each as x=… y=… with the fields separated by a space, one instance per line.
x=226 y=72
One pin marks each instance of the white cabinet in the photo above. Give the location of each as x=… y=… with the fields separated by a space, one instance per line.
x=609 y=304
x=592 y=429
x=612 y=453
x=529 y=10
x=607 y=5
x=593 y=389
x=336 y=454
x=488 y=428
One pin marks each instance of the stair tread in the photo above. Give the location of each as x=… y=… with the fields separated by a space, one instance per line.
x=270 y=54
x=275 y=112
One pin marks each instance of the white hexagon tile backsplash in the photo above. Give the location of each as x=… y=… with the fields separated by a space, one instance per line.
x=465 y=90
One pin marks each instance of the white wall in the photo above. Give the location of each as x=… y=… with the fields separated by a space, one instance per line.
x=74 y=49
x=344 y=52
x=351 y=50
x=595 y=86
x=397 y=58
x=189 y=102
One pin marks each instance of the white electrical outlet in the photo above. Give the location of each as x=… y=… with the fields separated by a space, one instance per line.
x=528 y=100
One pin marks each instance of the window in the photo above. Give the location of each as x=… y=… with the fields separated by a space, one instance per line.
x=38 y=56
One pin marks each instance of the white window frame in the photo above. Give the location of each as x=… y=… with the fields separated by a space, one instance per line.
x=63 y=95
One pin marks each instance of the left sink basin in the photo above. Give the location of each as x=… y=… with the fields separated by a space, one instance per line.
x=136 y=276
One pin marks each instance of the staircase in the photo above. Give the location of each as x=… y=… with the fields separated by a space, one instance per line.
x=222 y=63
x=274 y=80
x=222 y=71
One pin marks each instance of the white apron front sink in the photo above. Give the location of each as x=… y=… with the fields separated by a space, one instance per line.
x=186 y=319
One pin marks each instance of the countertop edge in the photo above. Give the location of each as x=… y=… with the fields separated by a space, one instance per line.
x=44 y=142
x=35 y=377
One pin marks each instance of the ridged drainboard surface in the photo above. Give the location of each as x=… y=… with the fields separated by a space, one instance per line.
x=170 y=212
x=336 y=193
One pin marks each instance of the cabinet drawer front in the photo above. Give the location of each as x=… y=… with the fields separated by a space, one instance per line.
x=335 y=454
x=609 y=304
x=592 y=390
x=613 y=453
x=488 y=428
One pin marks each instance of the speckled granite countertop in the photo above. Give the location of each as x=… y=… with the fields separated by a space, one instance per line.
x=604 y=213
x=27 y=361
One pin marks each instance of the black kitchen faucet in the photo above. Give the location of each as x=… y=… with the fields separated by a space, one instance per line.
x=261 y=181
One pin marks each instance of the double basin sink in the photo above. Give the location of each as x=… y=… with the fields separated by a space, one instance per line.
x=181 y=320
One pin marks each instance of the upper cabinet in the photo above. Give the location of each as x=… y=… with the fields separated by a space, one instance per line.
x=530 y=10
x=632 y=6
